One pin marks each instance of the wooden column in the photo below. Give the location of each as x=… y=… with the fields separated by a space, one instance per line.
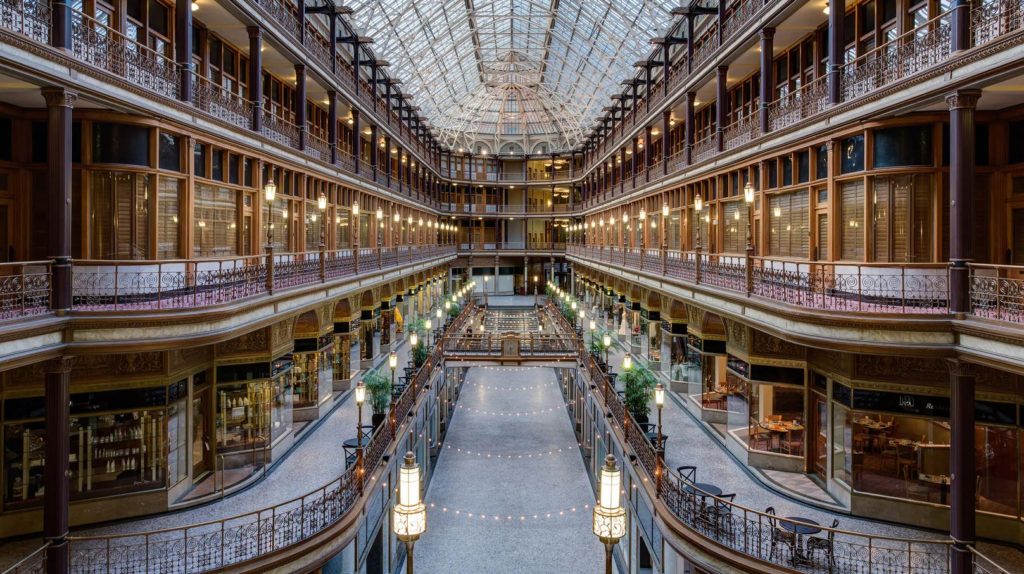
x=55 y=470
x=962 y=104
x=688 y=132
x=721 y=104
x=357 y=139
x=183 y=46
x=256 y=75
x=962 y=467
x=767 y=82
x=300 y=103
x=59 y=104
x=332 y=124
x=836 y=45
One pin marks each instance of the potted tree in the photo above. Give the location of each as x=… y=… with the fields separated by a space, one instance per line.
x=638 y=383
x=419 y=353
x=379 y=388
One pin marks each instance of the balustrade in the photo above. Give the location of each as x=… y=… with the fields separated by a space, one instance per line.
x=184 y=284
x=31 y=18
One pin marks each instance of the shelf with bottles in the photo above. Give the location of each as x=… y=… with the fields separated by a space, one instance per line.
x=243 y=412
x=24 y=459
x=118 y=451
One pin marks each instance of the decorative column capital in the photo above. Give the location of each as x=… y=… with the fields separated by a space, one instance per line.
x=255 y=32
x=59 y=97
x=767 y=33
x=963 y=99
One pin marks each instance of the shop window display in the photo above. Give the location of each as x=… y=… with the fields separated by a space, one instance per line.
x=314 y=371
x=254 y=405
x=117 y=444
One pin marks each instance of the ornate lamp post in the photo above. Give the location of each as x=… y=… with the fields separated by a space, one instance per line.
x=487 y=278
x=393 y=362
x=428 y=325
x=606 y=342
x=535 y=291
x=269 y=193
x=593 y=327
x=627 y=362
x=748 y=198
x=659 y=400
x=609 y=514
x=409 y=517
x=360 y=399
x=440 y=318
x=321 y=204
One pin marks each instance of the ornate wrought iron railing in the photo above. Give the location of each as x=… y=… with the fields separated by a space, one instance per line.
x=858 y=287
x=221 y=103
x=103 y=285
x=107 y=49
x=797 y=105
x=997 y=292
x=741 y=131
x=31 y=18
x=34 y=563
x=24 y=289
x=914 y=51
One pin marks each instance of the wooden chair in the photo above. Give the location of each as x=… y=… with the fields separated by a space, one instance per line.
x=759 y=434
x=780 y=535
x=825 y=545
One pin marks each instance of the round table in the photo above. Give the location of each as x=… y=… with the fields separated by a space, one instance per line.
x=354 y=442
x=702 y=489
x=807 y=525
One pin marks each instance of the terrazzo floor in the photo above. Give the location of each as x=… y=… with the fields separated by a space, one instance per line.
x=510 y=492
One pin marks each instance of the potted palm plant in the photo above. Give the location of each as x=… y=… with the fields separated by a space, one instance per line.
x=639 y=382
x=379 y=388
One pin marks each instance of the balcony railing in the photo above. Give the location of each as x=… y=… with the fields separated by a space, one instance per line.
x=30 y=18
x=280 y=130
x=800 y=104
x=858 y=287
x=741 y=131
x=24 y=289
x=997 y=292
x=107 y=49
x=221 y=103
x=196 y=283
x=917 y=50
x=705 y=148
x=34 y=563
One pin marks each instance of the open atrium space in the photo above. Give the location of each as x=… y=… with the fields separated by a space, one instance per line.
x=512 y=286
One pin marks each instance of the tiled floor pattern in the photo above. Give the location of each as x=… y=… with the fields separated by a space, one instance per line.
x=507 y=504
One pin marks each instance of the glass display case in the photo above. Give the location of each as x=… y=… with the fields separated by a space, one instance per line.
x=118 y=441
x=654 y=344
x=314 y=371
x=254 y=404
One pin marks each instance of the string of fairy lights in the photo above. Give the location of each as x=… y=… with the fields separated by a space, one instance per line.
x=505 y=456
x=511 y=413
x=500 y=388
x=511 y=518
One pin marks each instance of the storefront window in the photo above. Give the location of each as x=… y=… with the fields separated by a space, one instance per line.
x=851 y=220
x=902 y=217
x=119 y=215
x=776 y=418
x=216 y=221
x=788 y=218
x=678 y=358
x=168 y=223
x=654 y=341
x=995 y=450
x=115 y=452
x=177 y=432
x=314 y=374
x=903 y=456
x=343 y=231
x=846 y=463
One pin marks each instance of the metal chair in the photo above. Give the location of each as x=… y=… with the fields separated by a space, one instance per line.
x=780 y=535
x=826 y=545
x=688 y=473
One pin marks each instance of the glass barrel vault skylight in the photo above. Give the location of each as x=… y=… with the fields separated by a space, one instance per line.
x=511 y=76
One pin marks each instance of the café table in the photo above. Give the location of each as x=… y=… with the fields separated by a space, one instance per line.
x=702 y=489
x=352 y=445
x=801 y=527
